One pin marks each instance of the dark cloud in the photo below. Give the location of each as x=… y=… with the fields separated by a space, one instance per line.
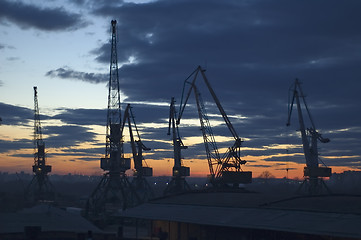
x=83 y=151
x=87 y=159
x=78 y=2
x=245 y=44
x=15 y=115
x=7 y=146
x=12 y=58
x=67 y=136
x=253 y=51
x=6 y=46
x=143 y=113
x=82 y=117
x=68 y=73
x=48 y=19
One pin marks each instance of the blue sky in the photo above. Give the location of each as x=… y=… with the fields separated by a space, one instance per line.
x=252 y=51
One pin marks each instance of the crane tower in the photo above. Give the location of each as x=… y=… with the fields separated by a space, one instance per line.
x=313 y=172
x=40 y=188
x=114 y=190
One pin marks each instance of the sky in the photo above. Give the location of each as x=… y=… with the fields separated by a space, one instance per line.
x=252 y=52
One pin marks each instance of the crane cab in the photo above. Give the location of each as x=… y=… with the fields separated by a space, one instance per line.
x=317 y=172
x=115 y=164
x=181 y=171
x=233 y=177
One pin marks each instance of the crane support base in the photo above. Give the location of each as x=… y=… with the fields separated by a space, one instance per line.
x=181 y=171
x=115 y=164
x=42 y=169
x=146 y=172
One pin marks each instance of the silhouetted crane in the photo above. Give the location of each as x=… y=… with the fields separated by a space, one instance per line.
x=40 y=188
x=114 y=190
x=178 y=184
x=313 y=173
x=139 y=183
x=227 y=169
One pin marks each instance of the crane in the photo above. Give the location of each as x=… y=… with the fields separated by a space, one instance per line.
x=114 y=190
x=313 y=173
x=40 y=187
x=178 y=184
x=139 y=182
x=227 y=169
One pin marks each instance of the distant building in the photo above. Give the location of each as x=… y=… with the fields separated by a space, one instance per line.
x=348 y=181
x=348 y=176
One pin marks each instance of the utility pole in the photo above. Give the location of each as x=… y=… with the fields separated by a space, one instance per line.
x=114 y=191
x=40 y=188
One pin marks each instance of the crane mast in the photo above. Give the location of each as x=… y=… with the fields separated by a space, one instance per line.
x=178 y=184
x=313 y=172
x=213 y=156
x=114 y=144
x=226 y=169
x=39 y=156
x=114 y=189
x=40 y=188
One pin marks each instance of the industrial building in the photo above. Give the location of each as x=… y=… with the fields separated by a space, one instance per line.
x=236 y=215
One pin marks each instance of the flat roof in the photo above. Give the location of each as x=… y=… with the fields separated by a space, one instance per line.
x=330 y=215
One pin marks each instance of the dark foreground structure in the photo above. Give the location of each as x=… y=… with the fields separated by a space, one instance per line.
x=211 y=215
x=45 y=222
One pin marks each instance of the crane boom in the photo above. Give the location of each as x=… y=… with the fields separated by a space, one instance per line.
x=213 y=156
x=218 y=103
x=310 y=161
x=177 y=141
x=310 y=148
x=137 y=146
x=139 y=183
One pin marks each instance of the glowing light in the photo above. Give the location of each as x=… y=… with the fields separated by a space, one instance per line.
x=342 y=157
